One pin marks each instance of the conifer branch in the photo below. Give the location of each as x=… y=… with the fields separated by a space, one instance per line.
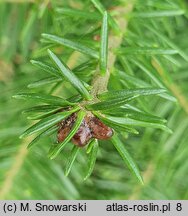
x=22 y=152
x=100 y=82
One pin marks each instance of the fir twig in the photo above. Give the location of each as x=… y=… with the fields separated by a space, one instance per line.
x=100 y=82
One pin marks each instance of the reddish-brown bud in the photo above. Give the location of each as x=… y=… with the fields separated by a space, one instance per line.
x=91 y=127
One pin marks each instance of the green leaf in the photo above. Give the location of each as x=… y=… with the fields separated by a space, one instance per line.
x=47 y=132
x=137 y=82
x=48 y=122
x=71 y=44
x=137 y=115
x=57 y=149
x=102 y=10
x=127 y=157
x=79 y=13
x=43 y=115
x=104 y=44
x=110 y=104
x=98 y=5
x=140 y=123
x=92 y=159
x=48 y=68
x=168 y=97
x=118 y=98
x=41 y=108
x=27 y=33
x=145 y=117
x=90 y=145
x=48 y=99
x=167 y=41
x=146 y=51
x=44 y=81
x=85 y=66
x=148 y=73
x=70 y=76
x=162 y=13
x=115 y=125
x=130 y=92
x=71 y=159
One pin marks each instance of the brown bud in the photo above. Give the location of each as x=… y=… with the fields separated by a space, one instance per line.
x=83 y=135
x=91 y=127
x=99 y=129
